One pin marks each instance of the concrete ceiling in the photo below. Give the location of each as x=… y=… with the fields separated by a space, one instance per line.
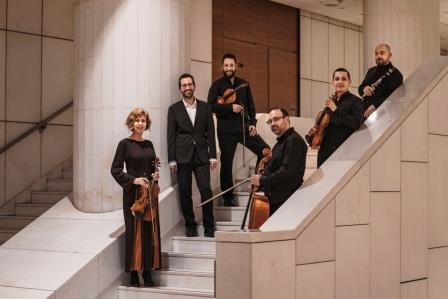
x=351 y=11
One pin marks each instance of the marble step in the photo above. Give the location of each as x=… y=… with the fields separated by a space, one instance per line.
x=221 y=226
x=67 y=174
x=31 y=209
x=194 y=244
x=163 y=293
x=6 y=234
x=15 y=222
x=188 y=261
x=233 y=214
x=185 y=279
x=60 y=185
x=49 y=197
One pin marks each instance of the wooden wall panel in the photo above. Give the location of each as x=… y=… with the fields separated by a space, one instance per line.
x=283 y=80
x=251 y=29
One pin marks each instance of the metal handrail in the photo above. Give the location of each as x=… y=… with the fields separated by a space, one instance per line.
x=40 y=126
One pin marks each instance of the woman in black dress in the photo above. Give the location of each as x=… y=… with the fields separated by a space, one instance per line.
x=142 y=239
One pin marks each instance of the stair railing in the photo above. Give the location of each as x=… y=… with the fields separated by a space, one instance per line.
x=40 y=126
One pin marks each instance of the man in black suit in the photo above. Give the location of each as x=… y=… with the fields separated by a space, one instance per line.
x=192 y=149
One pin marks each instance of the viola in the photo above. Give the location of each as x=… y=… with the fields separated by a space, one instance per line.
x=229 y=95
x=316 y=133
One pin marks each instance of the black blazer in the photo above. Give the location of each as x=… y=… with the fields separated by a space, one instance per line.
x=184 y=138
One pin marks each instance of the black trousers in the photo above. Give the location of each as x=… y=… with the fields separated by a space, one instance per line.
x=184 y=179
x=227 y=144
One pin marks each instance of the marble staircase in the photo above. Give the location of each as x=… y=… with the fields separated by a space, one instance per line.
x=189 y=268
x=42 y=196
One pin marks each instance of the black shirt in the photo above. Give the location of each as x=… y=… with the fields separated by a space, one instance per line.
x=229 y=121
x=384 y=89
x=284 y=172
x=346 y=119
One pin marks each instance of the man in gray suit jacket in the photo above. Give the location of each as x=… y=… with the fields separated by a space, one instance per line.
x=192 y=149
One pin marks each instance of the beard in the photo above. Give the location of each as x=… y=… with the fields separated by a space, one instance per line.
x=229 y=74
x=187 y=93
x=380 y=62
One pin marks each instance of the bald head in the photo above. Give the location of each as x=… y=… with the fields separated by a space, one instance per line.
x=382 y=54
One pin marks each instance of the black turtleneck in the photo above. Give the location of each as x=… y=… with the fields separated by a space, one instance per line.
x=283 y=174
x=384 y=89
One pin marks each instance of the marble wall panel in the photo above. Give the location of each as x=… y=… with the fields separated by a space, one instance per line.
x=353 y=262
x=385 y=245
x=58 y=16
x=336 y=51
x=271 y=266
x=385 y=165
x=305 y=98
x=319 y=91
x=306 y=53
x=438 y=273
x=319 y=46
x=24 y=69
x=415 y=289
x=25 y=16
x=438 y=108
x=414 y=135
x=317 y=242
x=57 y=74
x=201 y=31
x=414 y=220
x=22 y=162
x=352 y=54
x=316 y=281
x=353 y=201
x=437 y=203
x=57 y=146
x=202 y=73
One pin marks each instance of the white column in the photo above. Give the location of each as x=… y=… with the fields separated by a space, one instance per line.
x=128 y=54
x=410 y=27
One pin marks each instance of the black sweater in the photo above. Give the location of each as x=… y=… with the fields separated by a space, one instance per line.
x=384 y=89
x=284 y=172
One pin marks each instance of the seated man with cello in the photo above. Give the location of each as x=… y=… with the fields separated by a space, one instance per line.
x=343 y=114
x=283 y=174
x=231 y=100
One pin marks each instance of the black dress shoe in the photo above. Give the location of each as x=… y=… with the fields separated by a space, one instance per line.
x=209 y=232
x=192 y=232
x=229 y=202
x=135 y=282
x=148 y=282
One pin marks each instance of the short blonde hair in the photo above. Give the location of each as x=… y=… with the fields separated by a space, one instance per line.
x=135 y=113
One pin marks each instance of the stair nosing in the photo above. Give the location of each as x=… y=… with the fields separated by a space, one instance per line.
x=200 y=238
x=188 y=254
x=170 y=290
x=189 y=272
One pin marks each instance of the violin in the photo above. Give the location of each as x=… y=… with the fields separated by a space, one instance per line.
x=316 y=133
x=258 y=203
x=229 y=95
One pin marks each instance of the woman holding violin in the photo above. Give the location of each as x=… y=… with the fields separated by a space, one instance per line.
x=283 y=174
x=232 y=102
x=142 y=247
x=343 y=114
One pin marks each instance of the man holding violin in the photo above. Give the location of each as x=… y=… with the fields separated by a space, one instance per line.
x=345 y=112
x=283 y=174
x=231 y=99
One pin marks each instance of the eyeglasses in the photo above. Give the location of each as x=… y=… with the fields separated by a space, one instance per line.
x=274 y=119
x=187 y=85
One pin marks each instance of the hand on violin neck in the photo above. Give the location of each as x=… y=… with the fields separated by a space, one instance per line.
x=331 y=105
x=142 y=181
